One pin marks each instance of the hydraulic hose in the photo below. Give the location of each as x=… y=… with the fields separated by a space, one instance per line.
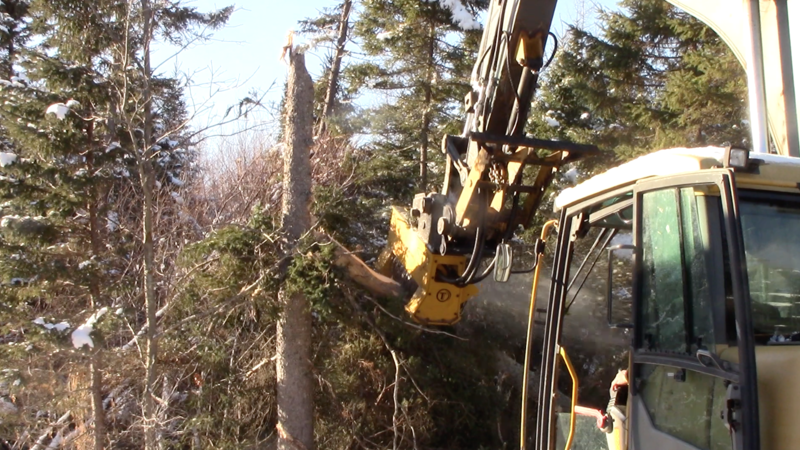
x=523 y=429
x=477 y=253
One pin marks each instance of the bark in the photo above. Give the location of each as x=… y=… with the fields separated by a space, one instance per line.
x=298 y=125
x=294 y=384
x=147 y=178
x=95 y=366
x=333 y=79
x=99 y=414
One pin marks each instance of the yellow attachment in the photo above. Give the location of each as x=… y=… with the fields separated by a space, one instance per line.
x=434 y=302
x=574 y=400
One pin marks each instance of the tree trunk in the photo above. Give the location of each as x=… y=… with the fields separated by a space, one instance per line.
x=333 y=80
x=95 y=367
x=99 y=414
x=294 y=384
x=426 y=115
x=147 y=178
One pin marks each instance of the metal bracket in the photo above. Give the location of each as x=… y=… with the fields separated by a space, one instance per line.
x=731 y=415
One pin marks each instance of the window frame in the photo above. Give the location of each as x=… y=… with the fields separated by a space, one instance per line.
x=743 y=374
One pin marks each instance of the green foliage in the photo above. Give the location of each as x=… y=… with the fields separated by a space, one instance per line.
x=420 y=62
x=71 y=124
x=227 y=314
x=655 y=77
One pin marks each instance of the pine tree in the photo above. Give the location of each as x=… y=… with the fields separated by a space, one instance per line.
x=13 y=34
x=419 y=62
x=655 y=77
x=72 y=189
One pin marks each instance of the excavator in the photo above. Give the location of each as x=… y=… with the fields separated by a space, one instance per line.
x=701 y=248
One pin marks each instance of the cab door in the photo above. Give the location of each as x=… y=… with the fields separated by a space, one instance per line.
x=689 y=306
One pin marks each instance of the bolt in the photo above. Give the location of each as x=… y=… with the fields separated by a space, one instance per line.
x=443 y=226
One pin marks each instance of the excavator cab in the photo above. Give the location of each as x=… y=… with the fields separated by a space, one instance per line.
x=702 y=283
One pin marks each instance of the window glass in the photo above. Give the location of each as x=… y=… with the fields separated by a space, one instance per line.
x=772 y=251
x=696 y=272
x=676 y=301
x=587 y=436
x=662 y=281
x=686 y=404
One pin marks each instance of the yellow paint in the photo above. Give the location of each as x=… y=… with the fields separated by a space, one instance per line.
x=529 y=47
x=465 y=207
x=574 y=400
x=434 y=302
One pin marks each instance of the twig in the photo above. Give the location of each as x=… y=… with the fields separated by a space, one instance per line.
x=258 y=366
x=413 y=325
x=395 y=396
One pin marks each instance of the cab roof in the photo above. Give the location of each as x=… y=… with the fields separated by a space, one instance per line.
x=669 y=162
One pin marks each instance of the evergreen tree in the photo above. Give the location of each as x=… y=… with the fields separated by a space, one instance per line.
x=71 y=187
x=655 y=77
x=419 y=61
x=13 y=34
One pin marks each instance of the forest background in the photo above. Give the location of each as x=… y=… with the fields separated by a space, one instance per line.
x=141 y=276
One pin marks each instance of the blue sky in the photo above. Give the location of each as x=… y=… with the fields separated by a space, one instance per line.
x=243 y=56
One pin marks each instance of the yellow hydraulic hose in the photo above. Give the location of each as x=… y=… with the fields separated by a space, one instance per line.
x=523 y=429
x=574 y=401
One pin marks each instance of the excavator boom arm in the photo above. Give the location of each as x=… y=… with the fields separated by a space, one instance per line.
x=495 y=175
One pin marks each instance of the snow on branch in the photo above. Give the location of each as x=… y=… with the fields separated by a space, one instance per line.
x=461 y=15
x=61 y=326
x=82 y=335
x=7 y=159
x=61 y=109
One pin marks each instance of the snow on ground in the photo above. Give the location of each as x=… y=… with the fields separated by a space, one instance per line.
x=7 y=408
x=6 y=159
x=178 y=199
x=82 y=335
x=175 y=181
